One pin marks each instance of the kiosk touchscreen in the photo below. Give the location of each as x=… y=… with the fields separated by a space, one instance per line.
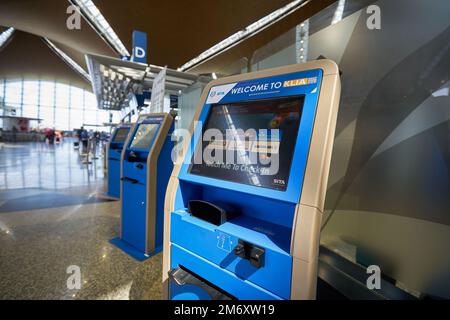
x=146 y=167
x=115 y=148
x=243 y=210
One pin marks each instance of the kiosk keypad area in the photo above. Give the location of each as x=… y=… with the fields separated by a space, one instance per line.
x=249 y=228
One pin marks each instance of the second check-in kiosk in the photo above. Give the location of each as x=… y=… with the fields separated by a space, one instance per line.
x=243 y=210
x=115 y=147
x=146 y=167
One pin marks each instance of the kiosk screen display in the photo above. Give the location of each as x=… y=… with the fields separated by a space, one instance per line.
x=121 y=134
x=144 y=135
x=250 y=142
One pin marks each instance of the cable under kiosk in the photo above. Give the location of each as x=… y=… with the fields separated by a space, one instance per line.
x=146 y=167
x=115 y=147
x=249 y=228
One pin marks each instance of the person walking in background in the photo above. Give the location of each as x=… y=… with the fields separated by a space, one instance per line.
x=78 y=134
x=58 y=137
x=77 y=142
x=84 y=140
x=14 y=134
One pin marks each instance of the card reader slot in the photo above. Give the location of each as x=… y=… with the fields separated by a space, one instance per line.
x=133 y=181
x=136 y=157
x=250 y=252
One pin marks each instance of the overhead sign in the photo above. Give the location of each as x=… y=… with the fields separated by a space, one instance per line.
x=139 y=47
x=158 y=91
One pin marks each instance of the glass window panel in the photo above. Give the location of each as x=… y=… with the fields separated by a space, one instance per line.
x=30 y=110
x=14 y=109
x=90 y=116
x=47 y=94
x=1 y=90
x=30 y=99
x=30 y=92
x=58 y=105
x=13 y=92
x=76 y=98
x=61 y=118
x=46 y=114
x=102 y=117
x=1 y=101
x=91 y=102
x=62 y=95
x=47 y=101
x=76 y=118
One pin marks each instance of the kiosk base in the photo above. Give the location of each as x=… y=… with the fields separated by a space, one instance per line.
x=113 y=197
x=132 y=251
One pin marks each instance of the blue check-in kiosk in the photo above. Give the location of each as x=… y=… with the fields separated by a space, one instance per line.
x=244 y=207
x=115 y=147
x=146 y=168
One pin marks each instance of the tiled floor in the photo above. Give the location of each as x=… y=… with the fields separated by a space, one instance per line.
x=53 y=215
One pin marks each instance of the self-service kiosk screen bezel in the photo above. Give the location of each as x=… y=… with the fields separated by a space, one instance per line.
x=145 y=142
x=121 y=135
x=283 y=113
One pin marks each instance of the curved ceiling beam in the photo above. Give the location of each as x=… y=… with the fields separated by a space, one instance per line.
x=48 y=18
x=75 y=66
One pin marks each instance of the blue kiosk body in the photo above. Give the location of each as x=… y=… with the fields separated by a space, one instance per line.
x=115 y=148
x=146 y=168
x=247 y=227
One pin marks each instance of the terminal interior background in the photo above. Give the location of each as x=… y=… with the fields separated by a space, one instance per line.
x=389 y=187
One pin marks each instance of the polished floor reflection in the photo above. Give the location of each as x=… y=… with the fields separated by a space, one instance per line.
x=53 y=216
x=39 y=165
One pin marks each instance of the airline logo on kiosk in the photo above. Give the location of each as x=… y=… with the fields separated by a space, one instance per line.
x=218 y=92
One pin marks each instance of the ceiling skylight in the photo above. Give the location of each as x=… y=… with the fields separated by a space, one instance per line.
x=98 y=21
x=249 y=31
x=5 y=35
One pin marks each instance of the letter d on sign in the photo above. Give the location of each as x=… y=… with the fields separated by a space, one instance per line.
x=139 y=52
x=139 y=47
